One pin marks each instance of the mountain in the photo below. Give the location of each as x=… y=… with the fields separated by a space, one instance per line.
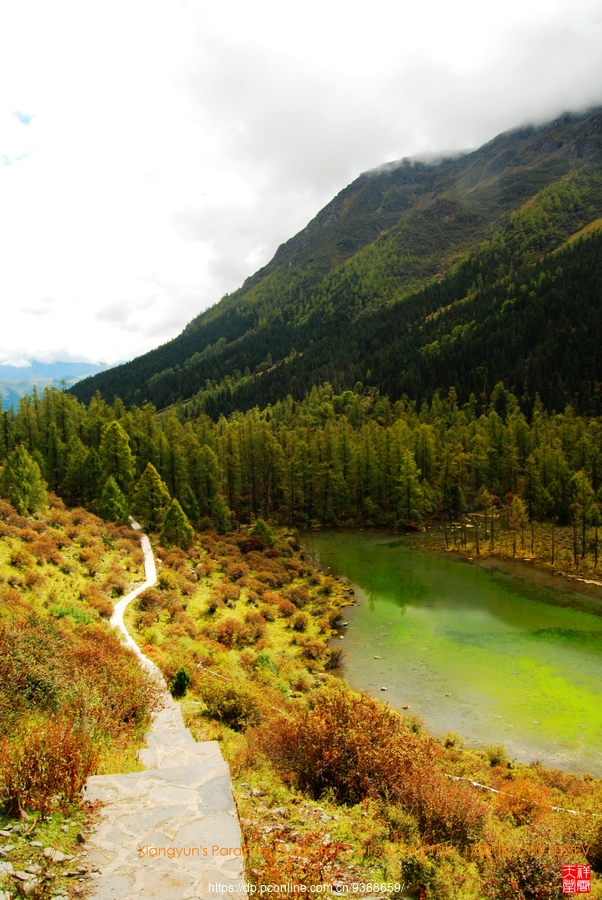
x=16 y=381
x=416 y=276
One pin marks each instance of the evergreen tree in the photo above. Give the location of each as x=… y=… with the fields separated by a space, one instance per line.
x=261 y=529
x=113 y=505
x=411 y=501
x=116 y=456
x=221 y=515
x=92 y=477
x=21 y=482
x=189 y=503
x=151 y=499
x=73 y=482
x=176 y=530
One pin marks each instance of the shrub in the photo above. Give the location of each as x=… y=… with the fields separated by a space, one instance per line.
x=313 y=859
x=46 y=550
x=234 y=703
x=346 y=743
x=149 y=600
x=267 y=612
x=52 y=760
x=300 y=596
x=312 y=648
x=527 y=871
x=402 y=825
x=334 y=658
x=354 y=747
x=524 y=799
x=286 y=608
x=168 y=581
x=452 y=739
x=299 y=622
x=231 y=633
x=496 y=754
x=265 y=660
x=180 y=683
x=327 y=586
x=255 y=626
x=99 y=601
x=252 y=544
x=20 y=559
x=236 y=570
x=262 y=530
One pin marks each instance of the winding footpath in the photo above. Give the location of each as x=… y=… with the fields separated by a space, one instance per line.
x=170 y=832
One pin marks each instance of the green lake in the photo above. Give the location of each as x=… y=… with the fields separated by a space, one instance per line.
x=493 y=657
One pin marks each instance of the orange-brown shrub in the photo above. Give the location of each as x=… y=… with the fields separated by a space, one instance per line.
x=299 y=595
x=62 y=540
x=98 y=600
x=90 y=560
x=231 y=633
x=28 y=535
x=150 y=599
x=311 y=860
x=255 y=626
x=258 y=587
x=312 y=648
x=51 y=760
x=355 y=747
x=299 y=621
x=286 y=608
x=175 y=558
x=268 y=578
x=34 y=579
x=115 y=584
x=45 y=549
x=526 y=870
x=524 y=800
x=236 y=570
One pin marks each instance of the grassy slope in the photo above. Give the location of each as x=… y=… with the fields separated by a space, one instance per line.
x=249 y=679
x=64 y=676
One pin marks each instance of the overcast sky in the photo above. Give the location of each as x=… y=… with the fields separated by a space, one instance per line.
x=153 y=153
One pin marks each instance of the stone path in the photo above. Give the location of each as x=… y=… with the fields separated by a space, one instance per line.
x=170 y=832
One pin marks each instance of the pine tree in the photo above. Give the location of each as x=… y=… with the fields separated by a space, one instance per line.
x=411 y=500
x=176 y=530
x=151 y=499
x=261 y=529
x=116 y=456
x=92 y=477
x=189 y=503
x=73 y=483
x=21 y=482
x=113 y=505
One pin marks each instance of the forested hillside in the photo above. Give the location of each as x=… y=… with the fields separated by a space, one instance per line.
x=414 y=277
x=348 y=458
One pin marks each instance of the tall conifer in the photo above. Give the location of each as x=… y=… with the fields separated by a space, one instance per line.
x=113 y=505
x=151 y=499
x=176 y=527
x=21 y=481
x=116 y=456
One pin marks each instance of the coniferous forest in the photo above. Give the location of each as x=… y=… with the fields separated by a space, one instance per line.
x=353 y=458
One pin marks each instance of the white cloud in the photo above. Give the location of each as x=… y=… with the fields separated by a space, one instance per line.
x=157 y=154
